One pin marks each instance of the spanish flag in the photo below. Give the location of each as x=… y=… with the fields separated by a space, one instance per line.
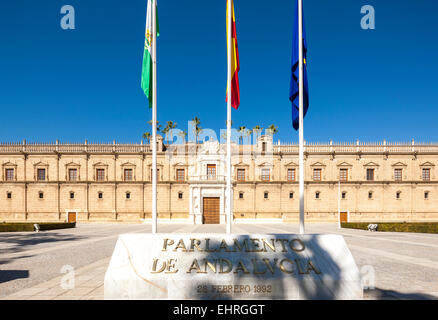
x=235 y=66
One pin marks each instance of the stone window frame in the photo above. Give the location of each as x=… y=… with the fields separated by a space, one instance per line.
x=180 y=195
x=71 y=192
x=344 y=166
x=159 y=169
x=41 y=165
x=291 y=195
x=98 y=195
x=40 y=195
x=265 y=195
x=430 y=166
x=320 y=166
x=179 y=166
x=370 y=192
x=131 y=166
x=7 y=166
x=241 y=195
x=318 y=195
x=266 y=165
x=426 y=195
x=399 y=166
x=344 y=195
x=72 y=165
x=7 y=195
x=100 y=165
x=291 y=166
x=398 y=194
x=128 y=195
x=373 y=166
x=245 y=175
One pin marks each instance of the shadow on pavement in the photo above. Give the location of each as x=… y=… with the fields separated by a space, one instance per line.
x=8 y=275
x=382 y=294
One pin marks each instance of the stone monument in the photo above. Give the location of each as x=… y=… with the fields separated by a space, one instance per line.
x=232 y=266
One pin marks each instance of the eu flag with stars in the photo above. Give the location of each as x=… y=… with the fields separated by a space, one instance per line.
x=294 y=85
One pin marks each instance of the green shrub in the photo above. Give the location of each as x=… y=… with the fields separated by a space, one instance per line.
x=28 y=226
x=418 y=227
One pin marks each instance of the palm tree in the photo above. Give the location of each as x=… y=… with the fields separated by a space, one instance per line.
x=248 y=133
x=183 y=135
x=170 y=126
x=242 y=132
x=273 y=129
x=158 y=125
x=166 y=131
x=257 y=129
x=197 y=129
x=147 y=137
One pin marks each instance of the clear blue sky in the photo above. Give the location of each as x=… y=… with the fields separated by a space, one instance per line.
x=82 y=84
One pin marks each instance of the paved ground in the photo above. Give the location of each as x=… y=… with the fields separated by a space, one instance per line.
x=405 y=264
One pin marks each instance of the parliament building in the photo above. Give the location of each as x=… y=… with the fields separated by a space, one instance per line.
x=84 y=182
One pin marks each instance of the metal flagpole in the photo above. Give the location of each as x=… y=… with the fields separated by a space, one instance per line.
x=301 y=112
x=154 y=116
x=228 y=189
x=339 y=203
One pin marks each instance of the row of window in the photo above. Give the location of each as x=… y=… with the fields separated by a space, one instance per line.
x=211 y=174
x=72 y=195
x=343 y=195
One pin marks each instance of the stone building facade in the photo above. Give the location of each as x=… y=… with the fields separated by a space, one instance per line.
x=112 y=182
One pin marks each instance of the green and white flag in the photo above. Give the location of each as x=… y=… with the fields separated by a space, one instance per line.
x=146 y=74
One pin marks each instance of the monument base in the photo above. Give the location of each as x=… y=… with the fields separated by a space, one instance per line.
x=236 y=266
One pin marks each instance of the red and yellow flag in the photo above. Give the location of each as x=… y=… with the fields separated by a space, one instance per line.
x=235 y=66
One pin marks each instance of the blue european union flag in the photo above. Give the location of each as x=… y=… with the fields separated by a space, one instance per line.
x=294 y=88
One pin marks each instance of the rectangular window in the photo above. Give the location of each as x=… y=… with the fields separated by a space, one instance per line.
x=9 y=195
x=266 y=176
x=9 y=174
x=426 y=174
x=180 y=174
x=100 y=174
x=240 y=174
x=317 y=174
x=72 y=174
x=290 y=174
x=343 y=174
x=211 y=171
x=41 y=174
x=370 y=174
x=398 y=174
x=127 y=174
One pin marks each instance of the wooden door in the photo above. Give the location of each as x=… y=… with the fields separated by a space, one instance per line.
x=71 y=217
x=344 y=217
x=211 y=210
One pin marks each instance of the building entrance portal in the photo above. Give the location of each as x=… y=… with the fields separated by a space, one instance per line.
x=211 y=210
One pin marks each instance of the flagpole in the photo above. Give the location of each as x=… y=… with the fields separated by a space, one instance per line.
x=154 y=116
x=301 y=113
x=228 y=187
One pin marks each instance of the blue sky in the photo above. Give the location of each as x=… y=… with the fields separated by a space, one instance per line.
x=82 y=84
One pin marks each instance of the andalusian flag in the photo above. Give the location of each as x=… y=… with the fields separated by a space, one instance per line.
x=146 y=74
x=235 y=66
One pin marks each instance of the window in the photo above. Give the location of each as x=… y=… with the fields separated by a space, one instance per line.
x=72 y=174
x=158 y=174
x=343 y=174
x=240 y=174
x=317 y=174
x=290 y=174
x=240 y=195
x=370 y=195
x=127 y=174
x=263 y=146
x=370 y=174
x=180 y=174
x=291 y=195
x=180 y=195
x=100 y=195
x=72 y=195
x=344 y=195
x=41 y=195
x=265 y=174
x=426 y=174
x=426 y=195
x=266 y=195
x=41 y=174
x=100 y=174
x=9 y=174
x=9 y=195
x=398 y=174
x=398 y=195
x=317 y=195
x=128 y=195
x=211 y=171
